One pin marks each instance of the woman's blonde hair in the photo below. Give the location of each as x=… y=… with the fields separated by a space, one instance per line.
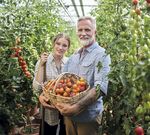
x=61 y=35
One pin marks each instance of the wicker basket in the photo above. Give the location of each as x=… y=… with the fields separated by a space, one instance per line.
x=49 y=90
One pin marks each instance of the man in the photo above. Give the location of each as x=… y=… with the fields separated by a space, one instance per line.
x=82 y=118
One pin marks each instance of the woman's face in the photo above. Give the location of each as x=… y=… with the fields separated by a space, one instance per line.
x=61 y=45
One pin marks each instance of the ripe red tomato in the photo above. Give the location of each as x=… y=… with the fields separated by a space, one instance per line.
x=23 y=67
x=57 y=90
x=72 y=94
x=82 y=83
x=61 y=90
x=69 y=84
x=68 y=80
x=74 y=86
x=65 y=94
x=20 y=58
x=139 y=130
x=28 y=74
x=63 y=85
x=68 y=90
x=61 y=81
x=82 y=88
x=17 y=49
x=138 y=11
x=135 y=2
x=14 y=55
x=23 y=63
x=148 y=1
x=59 y=85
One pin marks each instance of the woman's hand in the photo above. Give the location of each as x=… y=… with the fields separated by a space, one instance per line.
x=43 y=58
x=43 y=100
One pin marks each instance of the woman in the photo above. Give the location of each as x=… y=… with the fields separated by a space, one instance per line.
x=53 y=63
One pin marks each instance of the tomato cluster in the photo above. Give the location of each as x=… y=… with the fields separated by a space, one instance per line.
x=68 y=86
x=22 y=63
x=136 y=9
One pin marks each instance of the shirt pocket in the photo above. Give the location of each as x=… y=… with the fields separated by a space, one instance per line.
x=87 y=68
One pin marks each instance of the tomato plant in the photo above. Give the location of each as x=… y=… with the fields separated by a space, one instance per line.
x=27 y=28
x=123 y=28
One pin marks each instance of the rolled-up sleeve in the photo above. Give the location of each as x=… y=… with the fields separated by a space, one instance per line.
x=36 y=85
x=102 y=70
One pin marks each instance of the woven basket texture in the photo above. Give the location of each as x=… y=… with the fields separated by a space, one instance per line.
x=50 y=87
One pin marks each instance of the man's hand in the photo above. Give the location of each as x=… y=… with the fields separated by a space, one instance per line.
x=43 y=100
x=68 y=110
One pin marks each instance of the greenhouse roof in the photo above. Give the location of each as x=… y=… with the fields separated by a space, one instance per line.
x=76 y=8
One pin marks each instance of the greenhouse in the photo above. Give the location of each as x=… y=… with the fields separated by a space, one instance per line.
x=27 y=30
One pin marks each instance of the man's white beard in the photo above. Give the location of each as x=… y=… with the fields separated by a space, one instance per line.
x=86 y=42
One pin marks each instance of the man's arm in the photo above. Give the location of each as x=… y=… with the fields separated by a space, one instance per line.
x=70 y=110
x=87 y=100
x=102 y=69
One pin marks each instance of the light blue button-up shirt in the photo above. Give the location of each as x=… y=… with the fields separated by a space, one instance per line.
x=85 y=65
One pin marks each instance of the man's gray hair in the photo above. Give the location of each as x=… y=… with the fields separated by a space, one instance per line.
x=91 y=19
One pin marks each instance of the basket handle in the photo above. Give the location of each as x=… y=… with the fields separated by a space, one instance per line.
x=57 y=81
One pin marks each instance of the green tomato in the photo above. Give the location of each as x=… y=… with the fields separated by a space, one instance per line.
x=136 y=25
x=148 y=96
x=124 y=34
x=140 y=32
x=148 y=104
x=148 y=33
x=132 y=22
x=142 y=41
x=146 y=20
x=139 y=110
x=138 y=18
x=130 y=58
x=148 y=130
x=122 y=55
x=132 y=13
x=134 y=36
x=145 y=48
x=147 y=118
x=148 y=42
x=1 y=49
x=146 y=107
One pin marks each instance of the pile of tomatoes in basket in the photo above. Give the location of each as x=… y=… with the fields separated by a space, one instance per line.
x=67 y=86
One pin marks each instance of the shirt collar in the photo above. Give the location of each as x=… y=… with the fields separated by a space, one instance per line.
x=51 y=58
x=90 y=48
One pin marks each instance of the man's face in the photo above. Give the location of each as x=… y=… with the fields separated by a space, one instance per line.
x=85 y=32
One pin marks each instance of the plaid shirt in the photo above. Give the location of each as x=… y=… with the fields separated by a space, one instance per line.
x=51 y=116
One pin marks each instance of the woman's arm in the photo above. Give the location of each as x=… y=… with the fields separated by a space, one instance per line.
x=39 y=72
